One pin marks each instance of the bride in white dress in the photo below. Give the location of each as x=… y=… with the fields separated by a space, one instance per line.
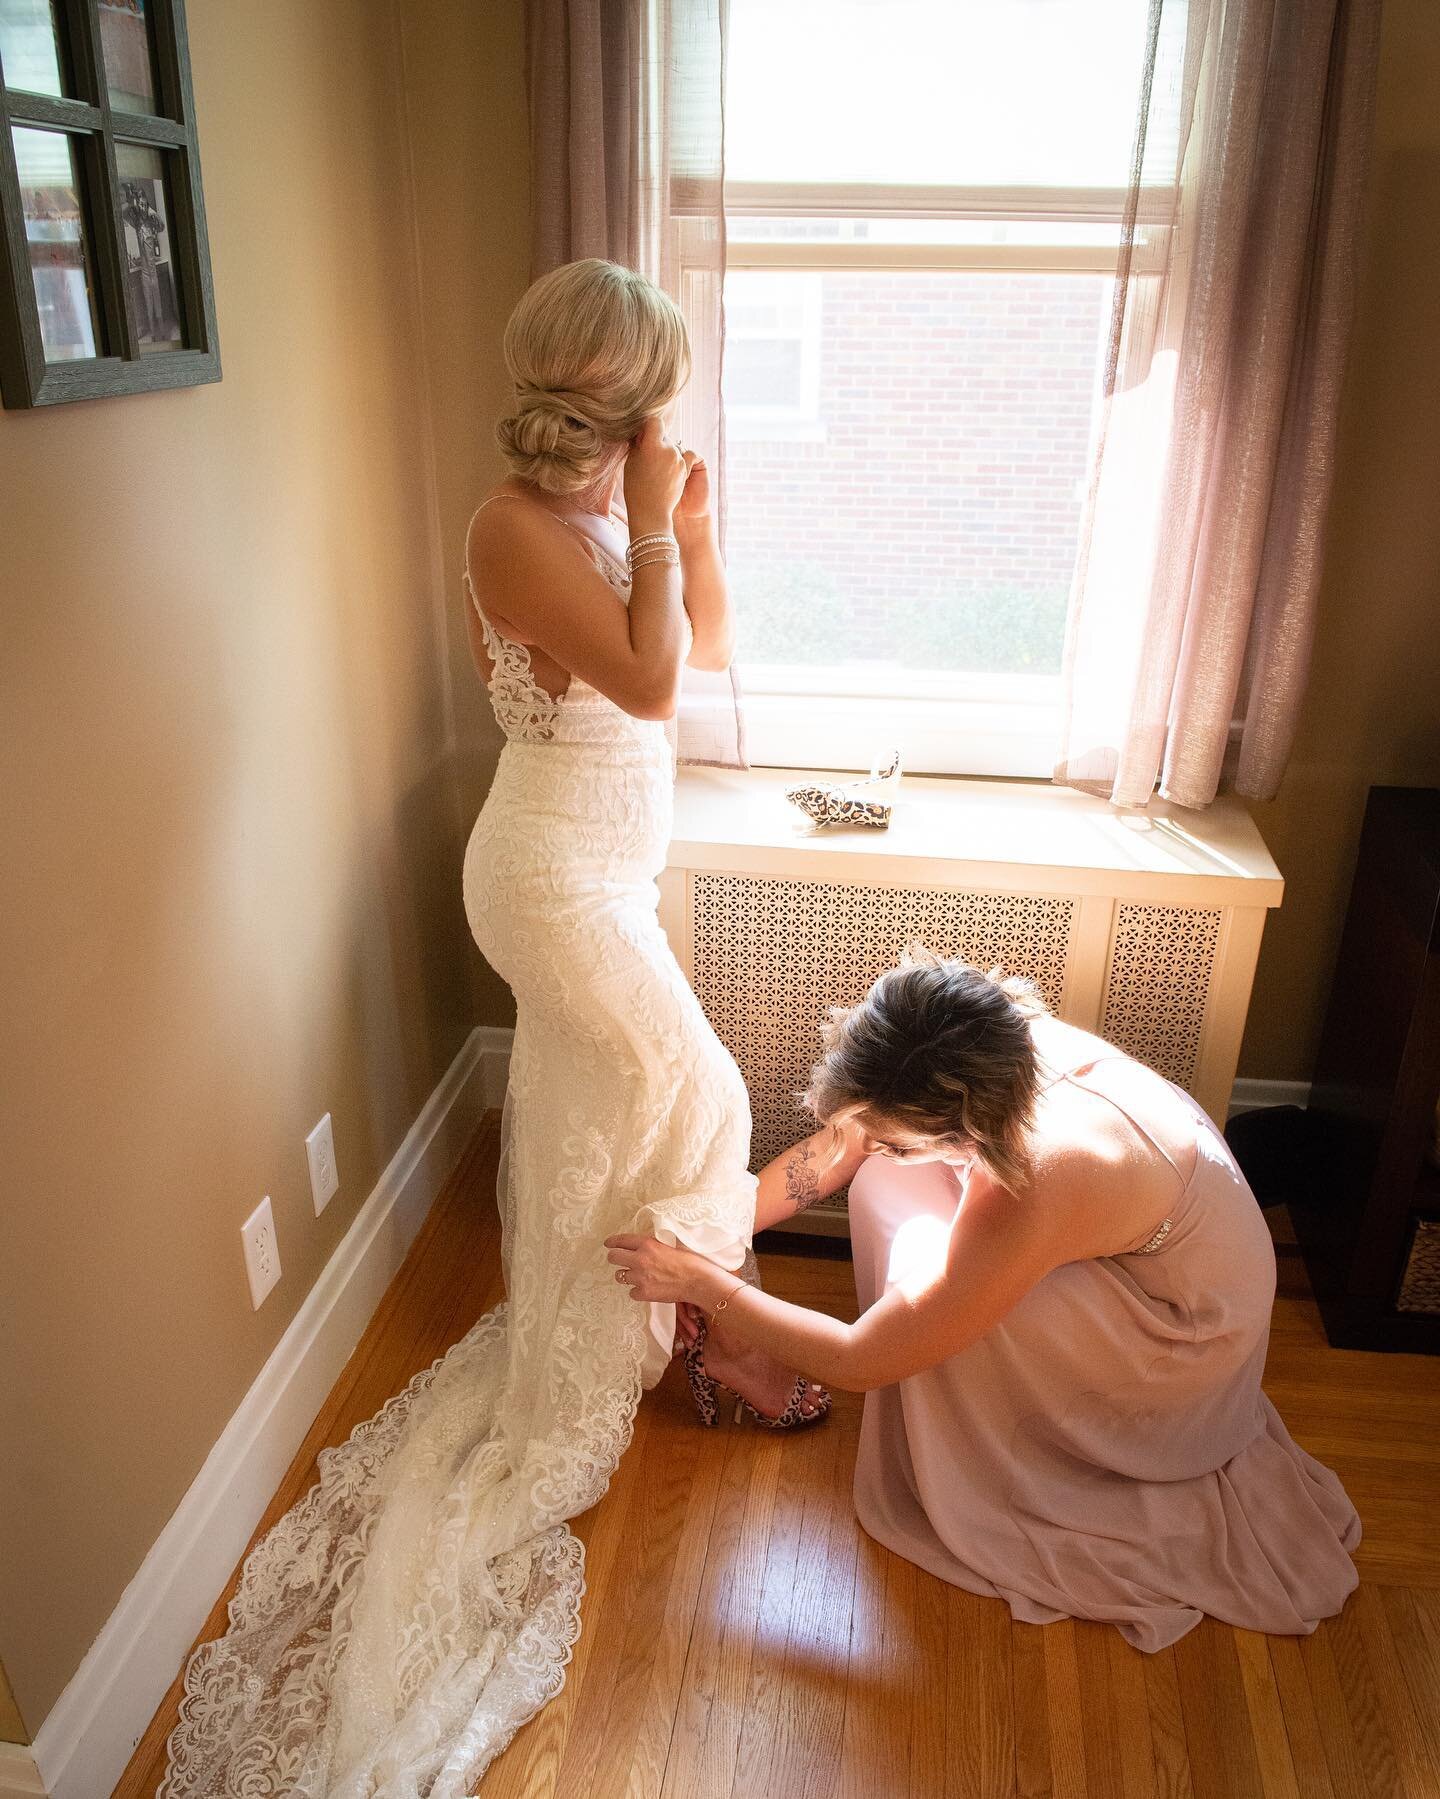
x=398 y=1625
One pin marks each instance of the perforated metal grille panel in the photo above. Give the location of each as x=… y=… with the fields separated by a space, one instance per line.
x=770 y=957
x=1160 y=967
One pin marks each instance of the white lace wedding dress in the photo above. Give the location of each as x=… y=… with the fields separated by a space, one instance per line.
x=395 y=1629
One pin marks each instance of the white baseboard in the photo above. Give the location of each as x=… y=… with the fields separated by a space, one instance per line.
x=1245 y=1096
x=19 y=1777
x=83 y=1746
x=1248 y=1095
x=495 y=1052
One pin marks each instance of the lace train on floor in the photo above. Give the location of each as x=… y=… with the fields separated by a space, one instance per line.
x=449 y=1649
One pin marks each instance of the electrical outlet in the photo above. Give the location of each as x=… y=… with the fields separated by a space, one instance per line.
x=262 y=1251
x=324 y=1175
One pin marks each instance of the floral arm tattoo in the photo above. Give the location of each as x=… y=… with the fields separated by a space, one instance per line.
x=802 y=1184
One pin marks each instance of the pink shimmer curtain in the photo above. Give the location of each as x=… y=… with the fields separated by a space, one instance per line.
x=1193 y=610
x=627 y=154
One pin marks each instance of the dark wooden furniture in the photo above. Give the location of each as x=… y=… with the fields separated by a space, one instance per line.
x=1372 y=1236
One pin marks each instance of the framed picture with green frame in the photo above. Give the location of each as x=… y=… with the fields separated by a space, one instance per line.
x=107 y=286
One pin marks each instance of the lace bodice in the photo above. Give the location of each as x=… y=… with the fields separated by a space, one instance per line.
x=523 y=709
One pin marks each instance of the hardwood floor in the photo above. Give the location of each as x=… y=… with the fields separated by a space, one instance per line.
x=743 y=1637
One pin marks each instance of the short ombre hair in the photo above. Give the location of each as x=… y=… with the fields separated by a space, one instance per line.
x=942 y=1050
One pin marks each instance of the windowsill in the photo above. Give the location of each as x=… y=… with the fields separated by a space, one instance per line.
x=1000 y=736
x=985 y=833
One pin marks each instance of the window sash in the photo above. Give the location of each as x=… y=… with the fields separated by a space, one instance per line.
x=1053 y=205
x=840 y=716
x=1018 y=205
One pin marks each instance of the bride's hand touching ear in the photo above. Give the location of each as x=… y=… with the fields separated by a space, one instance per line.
x=694 y=501
x=654 y=479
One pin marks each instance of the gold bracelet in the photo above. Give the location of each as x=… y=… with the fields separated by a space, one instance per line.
x=728 y=1297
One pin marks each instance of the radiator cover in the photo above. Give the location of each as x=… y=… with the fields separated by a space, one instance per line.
x=1143 y=926
x=770 y=957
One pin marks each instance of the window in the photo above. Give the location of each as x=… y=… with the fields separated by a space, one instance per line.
x=108 y=287
x=922 y=237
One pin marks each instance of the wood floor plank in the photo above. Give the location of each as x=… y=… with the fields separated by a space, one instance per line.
x=1223 y=1761
x=980 y=1740
x=809 y=1720
x=1373 y=1743
x=1099 y=1722
x=1374 y=1419
x=1414 y=1619
x=1068 y=1773
x=710 y=1707
x=701 y=1453
x=786 y=1562
x=869 y=1756
x=1168 y=1743
x=1342 y=1751
x=1267 y=1716
x=1033 y=1753
x=925 y=1646
x=1417 y=1770
x=1138 y=1779
x=1302 y=1727
x=602 y=1754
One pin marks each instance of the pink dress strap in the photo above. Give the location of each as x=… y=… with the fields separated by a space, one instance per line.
x=1156 y=1238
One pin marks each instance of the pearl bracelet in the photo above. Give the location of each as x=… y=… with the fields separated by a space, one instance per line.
x=655 y=540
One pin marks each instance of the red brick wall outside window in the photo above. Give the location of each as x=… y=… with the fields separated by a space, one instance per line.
x=921 y=506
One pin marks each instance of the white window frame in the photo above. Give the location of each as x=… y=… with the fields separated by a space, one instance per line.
x=846 y=717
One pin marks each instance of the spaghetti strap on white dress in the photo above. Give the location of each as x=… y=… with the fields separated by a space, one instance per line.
x=397 y=1627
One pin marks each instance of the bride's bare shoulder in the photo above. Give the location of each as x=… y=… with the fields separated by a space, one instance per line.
x=525 y=534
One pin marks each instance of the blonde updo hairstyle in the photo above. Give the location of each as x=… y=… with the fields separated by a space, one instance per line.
x=593 y=350
x=943 y=1051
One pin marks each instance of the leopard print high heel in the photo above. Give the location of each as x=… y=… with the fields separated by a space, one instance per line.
x=703 y=1385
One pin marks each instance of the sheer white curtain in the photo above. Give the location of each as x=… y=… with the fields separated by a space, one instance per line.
x=626 y=141
x=1193 y=609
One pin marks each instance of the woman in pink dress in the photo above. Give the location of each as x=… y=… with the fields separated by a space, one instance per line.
x=1066 y=1288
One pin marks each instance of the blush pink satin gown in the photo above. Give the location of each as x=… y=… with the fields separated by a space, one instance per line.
x=1105 y=1450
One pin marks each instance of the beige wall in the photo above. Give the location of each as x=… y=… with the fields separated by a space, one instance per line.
x=12 y=1728
x=465 y=85
x=1372 y=711
x=232 y=822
